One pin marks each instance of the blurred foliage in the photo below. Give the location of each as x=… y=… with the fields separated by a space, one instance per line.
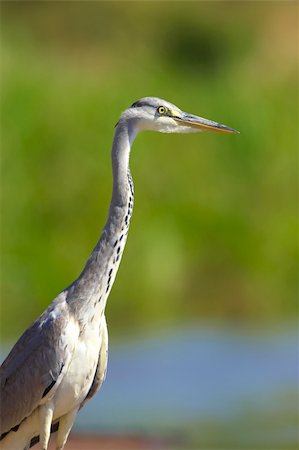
x=214 y=227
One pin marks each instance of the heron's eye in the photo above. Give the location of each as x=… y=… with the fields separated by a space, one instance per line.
x=161 y=110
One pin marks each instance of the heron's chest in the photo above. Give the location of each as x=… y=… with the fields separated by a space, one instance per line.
x=80 y=374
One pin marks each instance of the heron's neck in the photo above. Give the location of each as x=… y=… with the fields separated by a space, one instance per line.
x=91 y=289
x=123 y=139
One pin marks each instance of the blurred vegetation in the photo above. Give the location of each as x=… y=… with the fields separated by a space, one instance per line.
x=214 y=227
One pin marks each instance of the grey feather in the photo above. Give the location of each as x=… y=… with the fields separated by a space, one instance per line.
x=34 y=363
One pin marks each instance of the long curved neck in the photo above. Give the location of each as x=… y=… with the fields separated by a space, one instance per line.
x=91 y=289
x=123 y=138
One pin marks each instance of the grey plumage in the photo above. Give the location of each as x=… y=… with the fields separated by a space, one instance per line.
x=60 y=361
x=28 y=360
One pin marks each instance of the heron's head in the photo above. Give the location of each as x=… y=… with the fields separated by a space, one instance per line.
x=152 y=113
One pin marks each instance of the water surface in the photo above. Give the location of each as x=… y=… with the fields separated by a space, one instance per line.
x=206 y=386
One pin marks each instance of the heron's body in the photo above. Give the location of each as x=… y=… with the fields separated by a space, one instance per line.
x=60 y=361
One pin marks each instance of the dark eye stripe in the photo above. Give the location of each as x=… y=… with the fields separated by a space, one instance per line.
x=140 y=104
x=135 y=105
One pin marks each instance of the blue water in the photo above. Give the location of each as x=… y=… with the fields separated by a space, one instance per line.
x=177 y=381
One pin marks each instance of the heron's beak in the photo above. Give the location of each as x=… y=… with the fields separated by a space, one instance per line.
x=189 y=120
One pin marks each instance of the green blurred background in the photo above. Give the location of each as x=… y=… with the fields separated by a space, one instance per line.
x=213 y=230
x=213 y=237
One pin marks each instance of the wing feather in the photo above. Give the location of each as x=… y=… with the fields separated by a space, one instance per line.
x=36 y=364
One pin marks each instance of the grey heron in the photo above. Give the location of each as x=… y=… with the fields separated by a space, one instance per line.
x=60 y=361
